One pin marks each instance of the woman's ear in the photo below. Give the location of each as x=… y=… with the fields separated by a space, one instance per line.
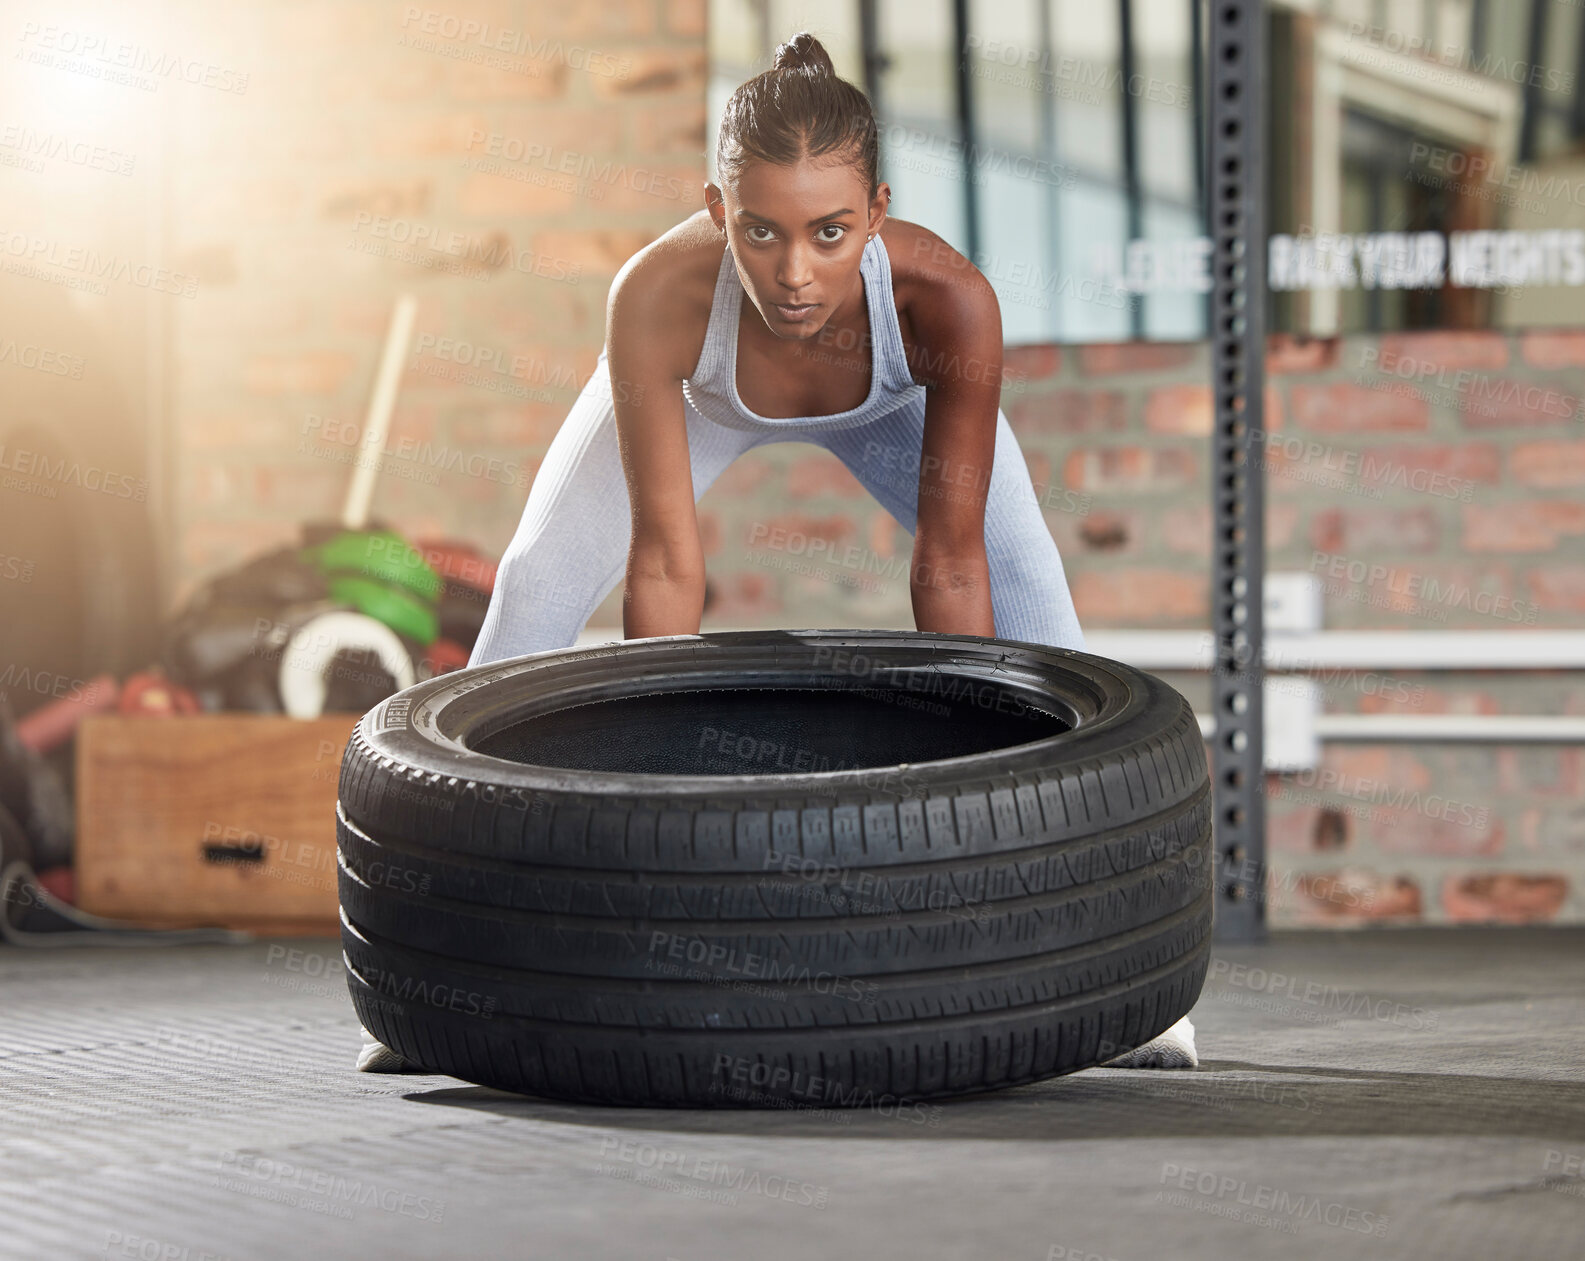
x=714 y=203
x=879 y=204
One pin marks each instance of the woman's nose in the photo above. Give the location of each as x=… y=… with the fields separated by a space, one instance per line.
x=795 y=271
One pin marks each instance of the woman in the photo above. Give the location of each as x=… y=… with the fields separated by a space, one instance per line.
x=866 y=335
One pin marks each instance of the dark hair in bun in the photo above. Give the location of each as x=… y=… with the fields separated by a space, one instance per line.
x=798 y=108
x=803 y=52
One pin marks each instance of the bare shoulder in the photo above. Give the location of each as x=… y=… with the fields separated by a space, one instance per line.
x=661 y=296
x=946 y=309
x=929 y=274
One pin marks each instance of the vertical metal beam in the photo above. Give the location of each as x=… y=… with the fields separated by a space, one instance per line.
x=965 y=103
x=1530 y=117
x=1049 y=149
x=1577 y=118
x=1201 y=139
x=1237 y=218
x=875 y=66
x=870 y=50
x=1134 y=220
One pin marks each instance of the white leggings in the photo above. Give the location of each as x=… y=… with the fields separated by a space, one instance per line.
x=570 y=548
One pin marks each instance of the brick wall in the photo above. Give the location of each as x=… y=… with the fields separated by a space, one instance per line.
x=1432 y=482
x=1453 y=463
x=381 y=148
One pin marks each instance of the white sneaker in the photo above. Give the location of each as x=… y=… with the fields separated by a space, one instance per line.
x=1172 y=1049
x=376 y=1057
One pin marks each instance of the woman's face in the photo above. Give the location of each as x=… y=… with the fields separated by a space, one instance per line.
x=797 y=233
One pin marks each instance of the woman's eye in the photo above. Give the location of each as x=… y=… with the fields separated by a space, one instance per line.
x=833 y=227
x=756 y=227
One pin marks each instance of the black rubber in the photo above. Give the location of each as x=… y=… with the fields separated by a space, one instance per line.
x=776 y=868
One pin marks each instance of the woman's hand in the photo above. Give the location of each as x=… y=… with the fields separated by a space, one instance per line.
x=952 y=594
x=665 y=590
x=958 y=359
x=664 y=594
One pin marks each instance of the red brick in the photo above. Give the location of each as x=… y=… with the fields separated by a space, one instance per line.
x=598 y=251
x=745 y=476
x=643 y=186
x=1399 y=352
x=653 y=71
x=212 y=265
x=1491 y=402
x=1555 y=831
x=1067 y=412
x=1441 y=470
x=1031 y=363
x=1281 y=518
x=210 y=547
x=813 y=475
x=1560 y=587
x=500 y=495
x=1540 y=771
x=412 y=79
x=1187 y=530
x=710 y=532
x=483 y=196
x=1554 y=348
x=1560 y=463
x=1140 y=597
x=610 y=19
x=1449 y=826
x=311 y=483
x=1299 y=829
x=1371 y=531
x=745 y=598
x=1039 y=465
x=1109 y=531
x=326 y=26
x=505 y=136
x=427 y=135
x=886 y=537
x=801 y=529
x=517 y=78
x=396 y=198
x=1438 y=595
x=242 y=197
x=410 y=424
x=1348 y=896
x=367 y=316
x=559 y=310
x=1418 y=696
x=1130 y=469
x=222 y=428
x=1353 y=772
x=530 y=424
x=685 y=17
x=1110 y=358
x=1408 y=694
x=311 y=372
x=1286 y=354
x=1347 y=408
x=676 y=130
x=1534 y=525
x=1504 y=897
x=1180 y=409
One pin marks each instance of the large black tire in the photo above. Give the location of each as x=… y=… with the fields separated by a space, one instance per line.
x=585 y=873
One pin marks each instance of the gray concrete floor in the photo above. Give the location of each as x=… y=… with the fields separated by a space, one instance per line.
x=1392 y=1094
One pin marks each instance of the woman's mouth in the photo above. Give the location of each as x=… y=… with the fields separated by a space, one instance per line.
x=793 y=314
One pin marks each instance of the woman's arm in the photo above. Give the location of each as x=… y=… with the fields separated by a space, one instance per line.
x=665 y=564
x=958 y=334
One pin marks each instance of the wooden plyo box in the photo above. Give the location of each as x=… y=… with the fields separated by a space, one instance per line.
x=210 y=819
